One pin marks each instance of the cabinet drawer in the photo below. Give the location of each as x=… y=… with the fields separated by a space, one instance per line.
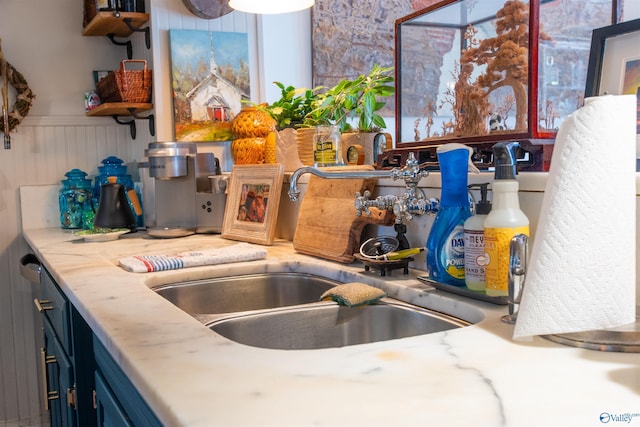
x=55 y=307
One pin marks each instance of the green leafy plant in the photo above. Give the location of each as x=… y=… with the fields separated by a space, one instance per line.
x=354 y=100
x=293 y=106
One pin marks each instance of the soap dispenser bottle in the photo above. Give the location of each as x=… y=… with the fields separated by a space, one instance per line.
x=445 y=244
x=504 y=221
x=475 y=259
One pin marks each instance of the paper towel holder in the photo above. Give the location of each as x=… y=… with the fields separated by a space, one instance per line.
x=517 y=275
x=625 y=339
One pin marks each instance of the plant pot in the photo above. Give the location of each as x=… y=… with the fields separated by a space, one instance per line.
x=287 y=150
x=304 y=137
x=371 y=144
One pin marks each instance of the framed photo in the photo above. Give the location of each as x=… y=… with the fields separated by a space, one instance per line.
x=614 y=60
x=252 y=203
x=614 y=63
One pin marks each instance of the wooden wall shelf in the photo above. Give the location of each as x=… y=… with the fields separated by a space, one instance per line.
x=119 y=109
x=121 y=24
x=105 y=23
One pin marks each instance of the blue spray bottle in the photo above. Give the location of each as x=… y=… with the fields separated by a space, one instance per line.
x=445 y=245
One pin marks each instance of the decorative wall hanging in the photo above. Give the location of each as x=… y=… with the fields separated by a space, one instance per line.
x=24 y=98
x=210 y=77
x=208 y=9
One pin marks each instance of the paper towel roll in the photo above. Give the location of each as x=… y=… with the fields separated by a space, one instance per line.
x=581 y=274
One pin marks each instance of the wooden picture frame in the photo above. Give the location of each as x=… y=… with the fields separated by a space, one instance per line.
x=252 y=203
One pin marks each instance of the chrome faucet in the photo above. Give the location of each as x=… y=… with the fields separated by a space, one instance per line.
x=412 y=202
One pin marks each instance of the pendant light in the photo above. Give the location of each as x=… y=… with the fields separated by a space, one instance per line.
x=270 y=7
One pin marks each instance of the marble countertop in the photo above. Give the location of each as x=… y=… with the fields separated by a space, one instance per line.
x=191 y=376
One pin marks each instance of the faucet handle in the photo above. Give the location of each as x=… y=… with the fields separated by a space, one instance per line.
x=361 y=203
x=517 y=274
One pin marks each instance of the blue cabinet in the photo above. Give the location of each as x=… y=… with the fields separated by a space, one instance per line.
x=132 y=411
x=66 y=359
x=109 y=411
x=82 y=383
x=59 y=386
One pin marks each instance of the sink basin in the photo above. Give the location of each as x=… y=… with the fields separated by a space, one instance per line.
x=326 y=325
x=283 y=311
x=245 y=293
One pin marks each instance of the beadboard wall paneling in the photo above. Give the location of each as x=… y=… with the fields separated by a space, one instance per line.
x=42 y=151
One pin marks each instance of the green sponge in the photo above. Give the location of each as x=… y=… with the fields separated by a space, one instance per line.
x=353 y=294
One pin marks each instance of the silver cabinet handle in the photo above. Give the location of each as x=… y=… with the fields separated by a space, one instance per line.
x=30 y=268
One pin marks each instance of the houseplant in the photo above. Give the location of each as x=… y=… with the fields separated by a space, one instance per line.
x=354 y=101
x=289 y=112
x=353 y=106
x=293 y=106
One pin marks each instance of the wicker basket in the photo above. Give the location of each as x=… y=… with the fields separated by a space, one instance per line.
x=125 y=85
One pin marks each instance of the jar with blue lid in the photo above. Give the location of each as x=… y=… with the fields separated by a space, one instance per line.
x=113 y=166
x=76 y=201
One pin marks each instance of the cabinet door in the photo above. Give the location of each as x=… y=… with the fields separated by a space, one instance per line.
x=122 y=390
x=59 y=383
x=109 y=412
x=55 y=308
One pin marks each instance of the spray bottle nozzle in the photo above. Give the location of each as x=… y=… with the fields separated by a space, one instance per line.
x=504 y=158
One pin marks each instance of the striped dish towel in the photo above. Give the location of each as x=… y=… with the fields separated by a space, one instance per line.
x=224 y=255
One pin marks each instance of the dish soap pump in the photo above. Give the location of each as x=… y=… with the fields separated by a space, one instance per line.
x=445 y=244
x=504 y=221
x=475 y=259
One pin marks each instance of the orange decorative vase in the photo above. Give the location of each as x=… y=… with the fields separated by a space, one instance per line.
x=250 y=129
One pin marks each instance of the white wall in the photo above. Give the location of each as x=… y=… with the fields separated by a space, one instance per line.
x=285 y=52
x=41 y=40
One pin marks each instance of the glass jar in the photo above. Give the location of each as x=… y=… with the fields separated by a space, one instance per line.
x=111 y=166
x=114 y=166
x=326 y=146
x=76 y=201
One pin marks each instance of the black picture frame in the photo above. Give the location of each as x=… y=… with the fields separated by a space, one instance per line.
x=599 y=39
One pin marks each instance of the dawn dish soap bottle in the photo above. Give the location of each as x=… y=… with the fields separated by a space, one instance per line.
x=445 y=245
x=504 y=221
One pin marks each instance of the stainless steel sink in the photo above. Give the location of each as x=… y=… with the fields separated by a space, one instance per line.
x=283 y=311
x=329 y=325
x=244 y=293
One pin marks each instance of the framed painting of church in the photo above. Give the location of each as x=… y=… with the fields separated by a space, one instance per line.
x=209 y=79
